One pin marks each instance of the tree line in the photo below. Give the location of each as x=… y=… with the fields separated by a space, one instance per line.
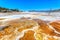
x=2 y=9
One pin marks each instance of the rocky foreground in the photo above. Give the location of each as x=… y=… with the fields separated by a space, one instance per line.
x=29 y=29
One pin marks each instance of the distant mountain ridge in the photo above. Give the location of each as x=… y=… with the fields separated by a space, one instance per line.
x=56 y=10
x=2 y=9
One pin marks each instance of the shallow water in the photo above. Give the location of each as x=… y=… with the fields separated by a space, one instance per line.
x=46 y=18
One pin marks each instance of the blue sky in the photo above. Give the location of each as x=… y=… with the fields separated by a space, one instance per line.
x=31 y=4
